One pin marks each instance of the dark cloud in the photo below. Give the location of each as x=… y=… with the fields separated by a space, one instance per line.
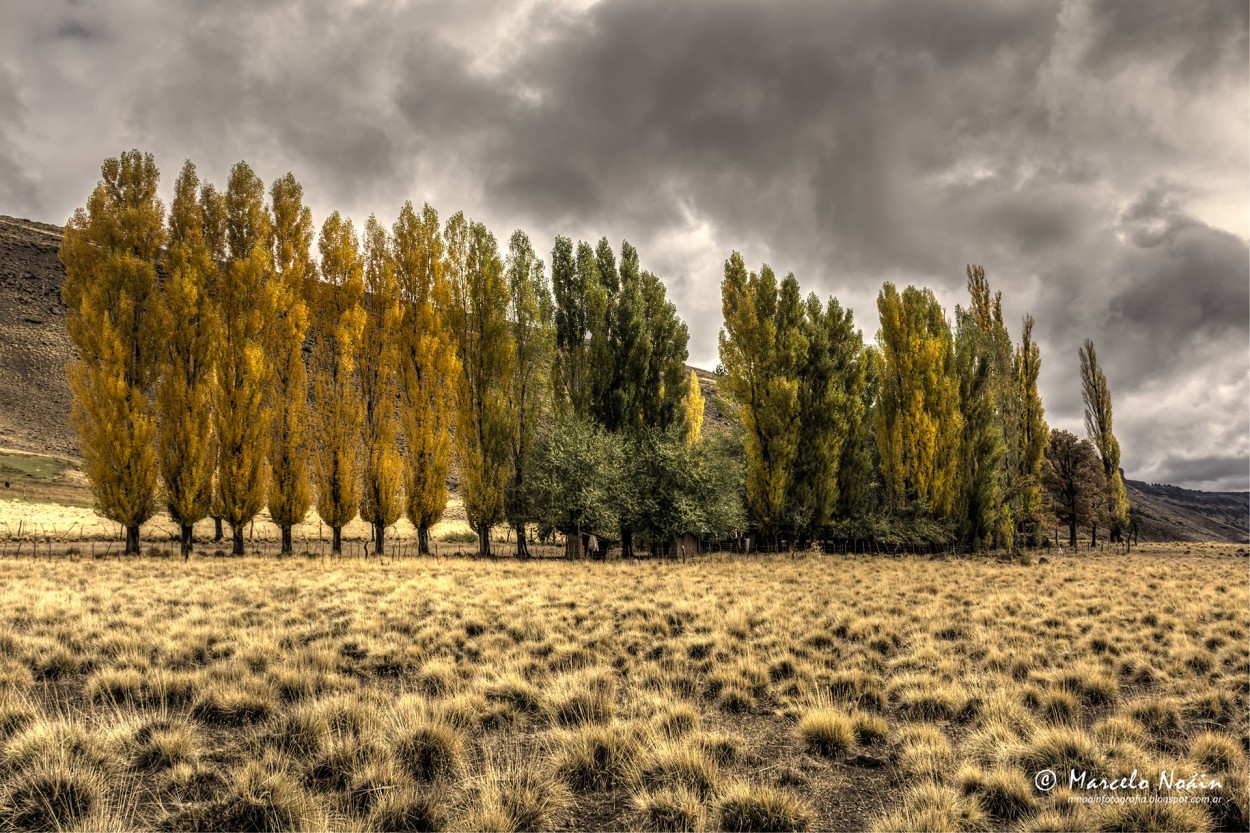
x=1091 y=155
x=1197 y=40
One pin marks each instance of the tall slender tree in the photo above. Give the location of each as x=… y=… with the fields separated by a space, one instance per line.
x=337 y=409
x=531 y=320
x=290 y=487
x=381 y=503
x=1097 y=397
x=1033 y=433
x=983 y=511
x=428 y=366
x=830 y=390
x=918 y=423
x=184 y=393
x=479 y=320
x=762 y=348
x=110 y=250
x=244 y=373
x=569 y=287
x=213 y=211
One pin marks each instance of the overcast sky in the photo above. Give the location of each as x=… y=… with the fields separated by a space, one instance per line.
x=1092 y=156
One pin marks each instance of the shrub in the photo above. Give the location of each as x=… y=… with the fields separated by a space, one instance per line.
x=1218 y=753
x=163 y=743
x=759 y=808
x=923 y=752
x=519 y=796
x=52 y=795
x=1160 y=715
x=935 y=808
x=678 y=764
x=405 y=808
x=1059 y=748
x=594 y=757
x=429 y=750
x=869 y=729
x=827 y=732
x=675 y=809
x=581 y=697
x=1004 y=794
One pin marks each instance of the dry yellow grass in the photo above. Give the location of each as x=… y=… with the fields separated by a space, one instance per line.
x=754 y=693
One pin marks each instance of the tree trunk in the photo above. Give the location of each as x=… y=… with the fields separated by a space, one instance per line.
x=483 y=540
x=1072 y=535
x=522 y=545
x=379 y=537
x=627 y=542
x=423 y=540
x=287 y=549
x=1093 y=536
x=132 y=540
x=238 y=538
x=187 y=534
x=336 y=545
x=217 y=531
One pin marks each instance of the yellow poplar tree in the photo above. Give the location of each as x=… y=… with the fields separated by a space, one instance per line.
x=109 y=251
x=479 y=320
x=337 y=411
x=290 y=492
x=184 y=394
x=428 y=366
x=692 y=406
x=762 y=348
x=244 y=305
x=918 y=423
x=213 y=215
x=381 y=503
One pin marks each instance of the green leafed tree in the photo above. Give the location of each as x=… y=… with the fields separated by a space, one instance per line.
x=830 y=395
x=478 y=314
x=575 y=480
x=983 y=512
x=428 y=366
x=338 y=413
x=531 y=321
x=569 y=285
x=244 y=372
x=110 y=251
x=1033 y=434
x=1073 y=478
x=381 y=503
x=186 y=448
x=1096 y=394
x=290 y=484
x=918 y=423
x=762 y=349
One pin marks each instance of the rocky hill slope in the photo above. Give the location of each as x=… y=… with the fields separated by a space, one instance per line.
x=35 y=397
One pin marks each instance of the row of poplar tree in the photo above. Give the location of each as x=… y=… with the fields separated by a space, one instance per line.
x=932 y=435
x=222 y=369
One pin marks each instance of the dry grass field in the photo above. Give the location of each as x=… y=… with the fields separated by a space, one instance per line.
x=741 y=693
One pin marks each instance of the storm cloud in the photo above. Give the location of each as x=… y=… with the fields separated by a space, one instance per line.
x=1091 y=155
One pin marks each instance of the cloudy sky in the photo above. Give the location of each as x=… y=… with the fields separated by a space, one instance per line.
x=1093 y=156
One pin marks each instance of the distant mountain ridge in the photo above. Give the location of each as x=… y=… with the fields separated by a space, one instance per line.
x=35 y=397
